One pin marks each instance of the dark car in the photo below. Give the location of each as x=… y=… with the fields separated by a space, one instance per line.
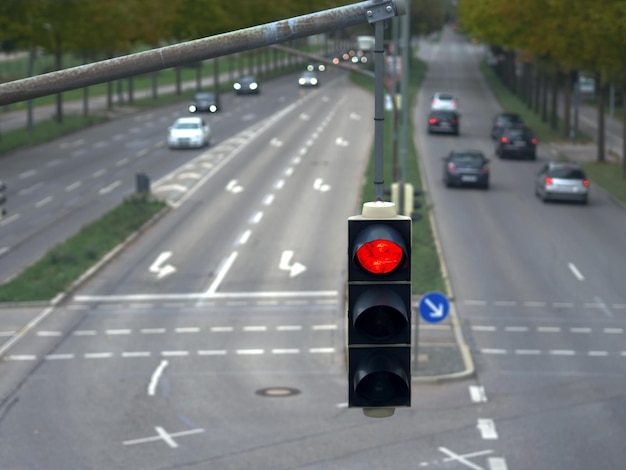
x=205 y=102
x=562 y=180
x=443 y=122
x=502 y=120
x=517 y=141
x=308 y=79
x=247 y=85
x=466 y=167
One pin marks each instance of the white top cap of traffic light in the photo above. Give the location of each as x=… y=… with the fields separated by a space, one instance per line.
x=379 y=210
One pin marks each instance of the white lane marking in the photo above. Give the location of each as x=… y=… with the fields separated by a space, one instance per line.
x=572 y=267
x=487 y=429
x=103 y=355
x=124 y=331
x=73 y=186
x=9 y=219
x=254 y=328
x=562 y=352
x=27 y=174
x=516 y=329
x=279 y=184
x=286 y=351
x=43 y=202
x=256 y=218
x=268 y=200
x=528 y=352
x=58 y=356
x=234 y=187
x=602 y=306
x=493 y=351
x=324 y=327
x=222 y=329
x=321 y=350
x=109 y=188
x=48 y=333
x=477 y=393
x=289 y=328
x=156 y=376
x=288 y=171
x=483 y=328
x=250 y=351
x=174 y=353
x=548 y=329
x=187 y=329
x=221 y=274
x=497 y=463
x=98 y=173
x=152 y=331
x=212 y=352
x=133 y=354
x=245 y=236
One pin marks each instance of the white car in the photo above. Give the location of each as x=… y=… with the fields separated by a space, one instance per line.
x=189 y=132
x=444 y=101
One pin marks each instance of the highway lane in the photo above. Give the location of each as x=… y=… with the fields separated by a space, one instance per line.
x=538 y=288
x=56 y=188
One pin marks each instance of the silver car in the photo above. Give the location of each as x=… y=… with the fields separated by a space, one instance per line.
x=562 y=180
x=188 y=132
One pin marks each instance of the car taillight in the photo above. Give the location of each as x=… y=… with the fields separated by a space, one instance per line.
x=454 y=121
x=504 y=140
x=485 y=169
x=585 y=183
x=451 y=166
x=432 y=121
x=548 y=180
x=533 y=141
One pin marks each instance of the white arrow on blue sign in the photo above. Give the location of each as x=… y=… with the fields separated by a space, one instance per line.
x=434 y=307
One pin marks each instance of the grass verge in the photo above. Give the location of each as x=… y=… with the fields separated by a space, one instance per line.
x=426 y=269
x=64 y=264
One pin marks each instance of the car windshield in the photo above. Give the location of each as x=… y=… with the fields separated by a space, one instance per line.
x=204 y=96
x=187 y=125
x=509 y=119
x=516 y=133
x=445 y=97
x=468 y=160
x=567 y=173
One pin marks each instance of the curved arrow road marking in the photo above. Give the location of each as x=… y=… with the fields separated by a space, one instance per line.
x=295 y=268
x=162 y=271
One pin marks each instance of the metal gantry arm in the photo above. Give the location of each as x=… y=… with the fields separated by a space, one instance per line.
x=198 y=50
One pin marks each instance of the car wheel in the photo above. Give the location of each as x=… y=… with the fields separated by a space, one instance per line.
x=584 y=200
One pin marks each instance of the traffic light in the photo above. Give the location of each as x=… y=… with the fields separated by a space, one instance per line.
x=379 y=310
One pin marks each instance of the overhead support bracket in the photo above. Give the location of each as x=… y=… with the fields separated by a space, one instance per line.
x=385 y=10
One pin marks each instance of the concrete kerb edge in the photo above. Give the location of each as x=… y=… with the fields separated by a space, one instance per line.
x=470 y=368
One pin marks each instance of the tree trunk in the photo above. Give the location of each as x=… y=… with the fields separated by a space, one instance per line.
x=554 y=115
x=567 y=104
x=600 y=89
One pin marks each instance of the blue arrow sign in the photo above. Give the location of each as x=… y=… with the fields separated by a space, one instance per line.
x=434 y=307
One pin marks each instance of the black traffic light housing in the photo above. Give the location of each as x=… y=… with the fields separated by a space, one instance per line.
x=379 y=310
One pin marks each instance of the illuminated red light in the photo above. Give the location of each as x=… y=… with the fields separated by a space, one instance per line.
x=548 y=180
x=585 y=183
x=533 y=141
x=432 y=120
x=380 y=256
x=451 y=166
x=504 y=140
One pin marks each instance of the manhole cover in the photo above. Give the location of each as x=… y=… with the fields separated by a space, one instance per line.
x=277 y=392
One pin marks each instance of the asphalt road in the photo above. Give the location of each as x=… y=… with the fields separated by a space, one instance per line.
x=538 y=288
x=216 y=339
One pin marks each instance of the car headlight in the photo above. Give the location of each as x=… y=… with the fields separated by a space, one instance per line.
x=253 y=86
x=309 y=68
x=237 y=86
x=322 y=67
x=192 y=109
x=212 y=108
x=302 y=81
x=314 y=81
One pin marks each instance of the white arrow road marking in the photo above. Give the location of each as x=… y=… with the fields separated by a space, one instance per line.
x=172 y=187
x=275 y=142
x=437 y=309
x=355 y=116
x=294 y=269
x=341 y=142
x=162 y=271
x=319 y=185
x=234 y=187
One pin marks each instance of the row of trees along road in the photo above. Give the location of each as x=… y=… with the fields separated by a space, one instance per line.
x=553 y=40
x=101 y=29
